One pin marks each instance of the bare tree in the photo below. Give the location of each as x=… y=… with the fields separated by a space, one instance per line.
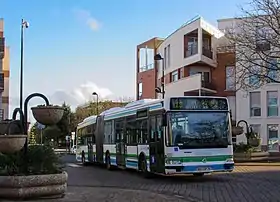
x=256 y=38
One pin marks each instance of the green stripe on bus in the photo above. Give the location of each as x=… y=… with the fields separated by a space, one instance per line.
x=201 y=158
x=184 y=159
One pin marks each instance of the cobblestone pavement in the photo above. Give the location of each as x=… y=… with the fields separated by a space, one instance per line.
x=89 y=194
x=246 y=183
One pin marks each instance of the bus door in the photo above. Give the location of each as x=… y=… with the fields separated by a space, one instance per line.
x=120 y=144
x=156 y=144
x=90 y=150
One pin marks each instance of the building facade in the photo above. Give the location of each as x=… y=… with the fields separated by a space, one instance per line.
x=259 y=107
x=4 y=74
x=193 y=64
x=199 y=61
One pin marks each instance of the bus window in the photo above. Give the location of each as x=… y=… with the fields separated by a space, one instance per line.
x=143 y=131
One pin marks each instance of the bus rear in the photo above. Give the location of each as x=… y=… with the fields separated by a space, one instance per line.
x=198 y=135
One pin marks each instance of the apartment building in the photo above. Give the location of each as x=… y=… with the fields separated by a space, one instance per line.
x=4 y=74
x=199 y=61
x=259 y=107
x=193 y=63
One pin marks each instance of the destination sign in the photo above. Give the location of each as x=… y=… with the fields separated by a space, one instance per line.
x=198 y=104
x=142 y=114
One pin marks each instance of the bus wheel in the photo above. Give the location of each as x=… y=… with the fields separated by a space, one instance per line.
x=198 y=174
x=143 y=168
x=108 y=162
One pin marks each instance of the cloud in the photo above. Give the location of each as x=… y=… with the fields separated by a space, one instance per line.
x=86 y=17
x=75 y=97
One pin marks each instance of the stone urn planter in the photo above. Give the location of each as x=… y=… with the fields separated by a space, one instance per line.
x=11 y=143
x=48 y=115
x=12 y=138
x=254 y=142
x=237 y=130
x=33 y=186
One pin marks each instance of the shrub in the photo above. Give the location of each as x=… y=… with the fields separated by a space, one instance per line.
x=40 y=160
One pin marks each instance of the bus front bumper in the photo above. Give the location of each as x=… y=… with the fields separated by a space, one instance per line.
x=185 y=169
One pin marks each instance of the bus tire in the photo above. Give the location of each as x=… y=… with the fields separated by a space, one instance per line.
x=143 y=167
x=108 y=161
x=198 y=174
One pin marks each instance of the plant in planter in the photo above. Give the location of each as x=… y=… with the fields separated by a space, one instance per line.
x=44 y=174
x=12 y=137
x=48 y=114
x=253 y=138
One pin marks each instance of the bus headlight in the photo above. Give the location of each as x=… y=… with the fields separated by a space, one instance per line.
x=229 y=160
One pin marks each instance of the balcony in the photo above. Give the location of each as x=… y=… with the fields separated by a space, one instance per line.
x=207 y=52
x=190 y=84
x=208 y=85
x=2 y=47
x=1 y=82
x=192 y=49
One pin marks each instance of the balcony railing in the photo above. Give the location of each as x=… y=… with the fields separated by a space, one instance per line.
x=146 y=67
x=192 y=50
x=2 y=47
x=207 y=52
x=208 y=84
x=1 y=82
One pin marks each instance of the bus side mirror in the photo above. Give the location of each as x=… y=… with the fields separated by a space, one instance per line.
x=164 y=120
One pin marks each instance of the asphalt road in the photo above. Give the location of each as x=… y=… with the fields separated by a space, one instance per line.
x=252 y=183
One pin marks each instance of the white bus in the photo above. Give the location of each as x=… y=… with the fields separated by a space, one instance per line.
x=177 y=135
x=85 y=139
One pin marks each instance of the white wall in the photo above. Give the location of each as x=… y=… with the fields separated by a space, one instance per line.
x=178 y=88
x=176 y=42
x=232 y=105
x=243 y=111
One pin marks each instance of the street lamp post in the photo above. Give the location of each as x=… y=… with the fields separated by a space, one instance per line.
x=158 y=57
x=95 y=94
x=24 y=24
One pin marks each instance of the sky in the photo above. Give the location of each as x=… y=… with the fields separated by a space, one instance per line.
x=73 y=48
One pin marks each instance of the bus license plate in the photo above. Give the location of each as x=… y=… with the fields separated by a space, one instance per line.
x=203 y=169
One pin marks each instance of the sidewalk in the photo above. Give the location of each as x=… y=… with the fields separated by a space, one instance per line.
x=257 y=164
x=108 y=194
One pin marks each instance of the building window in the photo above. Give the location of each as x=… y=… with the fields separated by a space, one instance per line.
x=272 y=70
x=181 y=73
x=174 y=76
x=272 y=103
x=230 y=78
x=273 y=139
x=205 y=76
x=255 y=104
x=168 y=57
x=165 y=56
x=192 y=46
x=262 y=38
x=140 y=90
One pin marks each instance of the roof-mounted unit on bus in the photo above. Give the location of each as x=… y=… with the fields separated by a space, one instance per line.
x=89 y=118
x=140 y=102
x=111 y=110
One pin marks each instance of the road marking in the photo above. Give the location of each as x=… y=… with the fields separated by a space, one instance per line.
x=73 y=165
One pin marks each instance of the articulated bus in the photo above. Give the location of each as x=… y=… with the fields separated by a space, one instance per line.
x=177 y=135
x=85 y=139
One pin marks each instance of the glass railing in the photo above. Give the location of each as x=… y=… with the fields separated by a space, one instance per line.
x=192 y=49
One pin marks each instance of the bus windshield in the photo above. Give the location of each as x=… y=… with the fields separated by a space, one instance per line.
x=198 y=129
